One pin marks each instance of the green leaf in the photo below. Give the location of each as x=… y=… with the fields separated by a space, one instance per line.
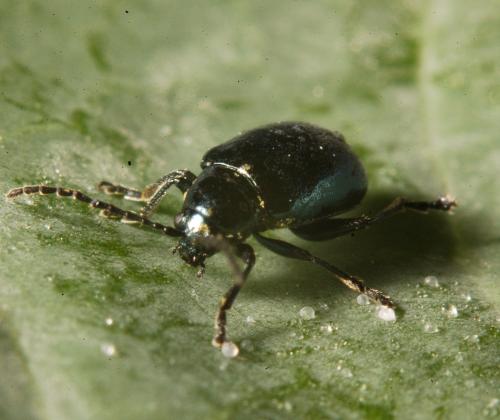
x=128 y=91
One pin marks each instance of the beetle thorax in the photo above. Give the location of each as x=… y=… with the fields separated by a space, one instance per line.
x=220 y=202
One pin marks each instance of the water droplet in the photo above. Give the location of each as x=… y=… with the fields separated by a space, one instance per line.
x=229 y=349
x=472 y=338
x=108 y=349
x=362 y=300
x=326 y=329
x=385 y=313
x=48 y=226
x=324 y=306
x=431 y=281
x=250 y=320
x=109 y=322
x=430 y=328
x=467 y=297
x=494 y=402
x=307 y=313
x=491 y=409
x=451 y=311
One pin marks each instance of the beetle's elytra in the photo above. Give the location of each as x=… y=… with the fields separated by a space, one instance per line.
x=284 y=175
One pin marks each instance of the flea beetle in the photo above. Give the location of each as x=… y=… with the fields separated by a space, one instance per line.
x=285 y=175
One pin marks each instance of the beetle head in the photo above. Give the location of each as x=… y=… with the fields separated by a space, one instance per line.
x=192 y=247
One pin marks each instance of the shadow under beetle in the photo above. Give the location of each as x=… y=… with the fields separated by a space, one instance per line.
x=285 y=175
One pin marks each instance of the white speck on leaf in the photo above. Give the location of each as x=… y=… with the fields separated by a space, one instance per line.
x=307 y=313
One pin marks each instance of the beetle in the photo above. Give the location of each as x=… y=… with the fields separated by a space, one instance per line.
x=291 y=175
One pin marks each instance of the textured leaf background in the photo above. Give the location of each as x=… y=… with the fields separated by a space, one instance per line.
x=129 y=90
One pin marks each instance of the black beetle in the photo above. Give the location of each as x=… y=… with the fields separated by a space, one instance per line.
x=285 y=175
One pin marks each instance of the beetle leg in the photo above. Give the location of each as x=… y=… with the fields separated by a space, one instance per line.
x=333 y=228
x=120 y=191
x=153 y=193
x=244 y=252
x=291 y=251
x=107 y=210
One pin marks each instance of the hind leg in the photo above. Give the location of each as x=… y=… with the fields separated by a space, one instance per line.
x=323 y=230
x=288 y=250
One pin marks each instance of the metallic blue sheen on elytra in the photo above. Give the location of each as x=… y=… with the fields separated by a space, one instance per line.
x=302 y=172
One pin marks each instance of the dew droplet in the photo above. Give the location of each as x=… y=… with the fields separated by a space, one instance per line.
x=451 y=311
x=324 y=306
x=430 y=328
x=385 y=313
x=491 y=409
x=494 y=402
x=307 y=313
x=250 y=320
x=108 y=349
x=287 y=405
x=467 y=297
x=431 y=281
x=326 y=329
x=472 y=338
x=362 y=299
x=229 y=349
x=109 y=322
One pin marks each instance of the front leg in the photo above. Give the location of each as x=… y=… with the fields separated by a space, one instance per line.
x=153 y=193
x=107 y=210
